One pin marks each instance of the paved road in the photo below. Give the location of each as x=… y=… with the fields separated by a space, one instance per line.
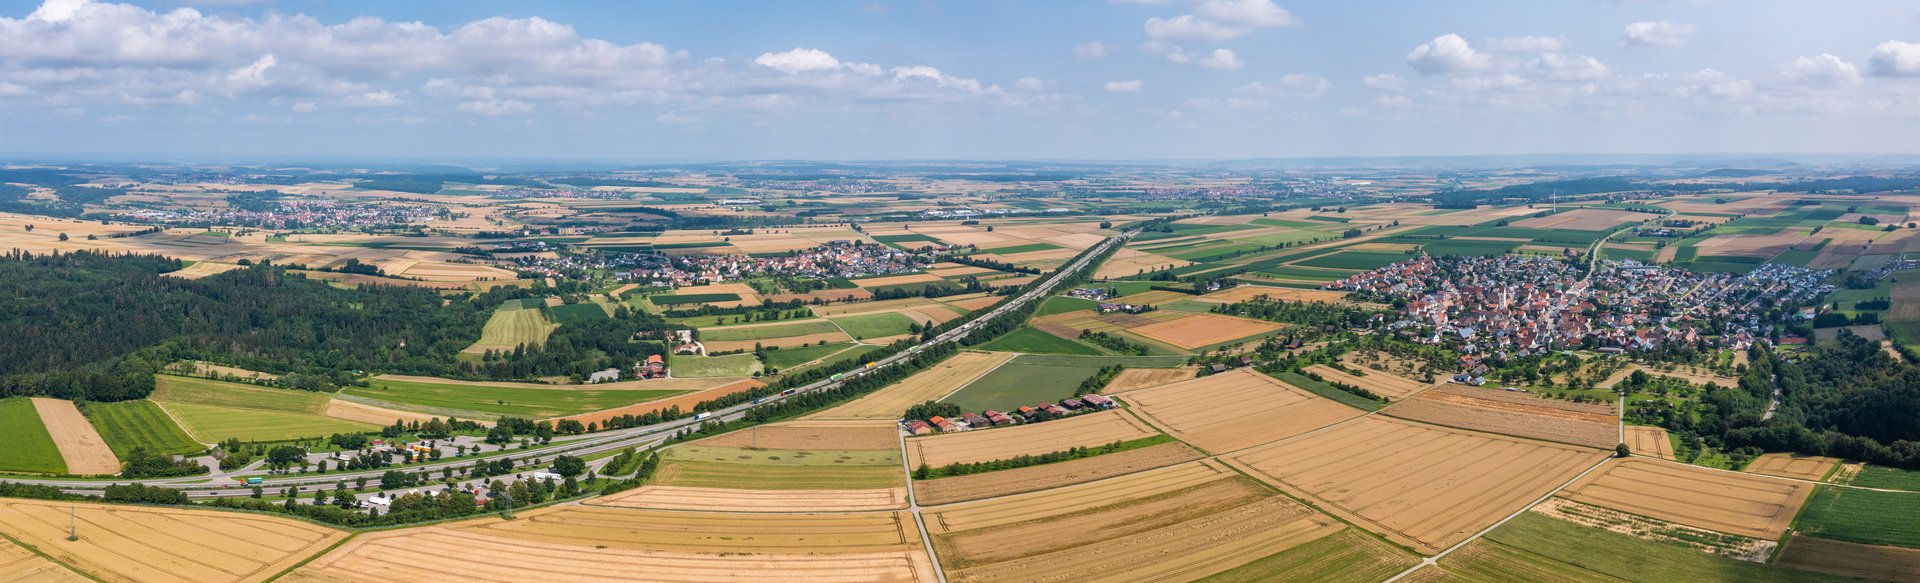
x=607 y=441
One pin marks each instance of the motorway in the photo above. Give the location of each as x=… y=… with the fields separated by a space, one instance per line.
x=640 y=438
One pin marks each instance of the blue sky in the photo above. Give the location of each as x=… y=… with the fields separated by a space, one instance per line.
x=898 y=79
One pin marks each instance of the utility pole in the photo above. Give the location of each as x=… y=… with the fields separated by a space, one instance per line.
x=73 y=523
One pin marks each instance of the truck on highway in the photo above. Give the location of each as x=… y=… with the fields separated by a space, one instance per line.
x=702 y=416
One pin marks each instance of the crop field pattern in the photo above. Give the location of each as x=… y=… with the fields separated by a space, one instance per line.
x=1516 y=414
x=1042 y=477
x=1851 y=559
x=927 y=385
x=793 y=467
x=511 y=326
x=1721 y=501
x=131 y=424
x=1199 y=330
x=1650 y=441
x=528 y=402
x=1379 y=383
x=1234 y=410
x=1085 y=430
x=80 y=445
x=25 y=444
x=1805 y=467
x=164 y=545
x=212 y=411
x=1423 y=486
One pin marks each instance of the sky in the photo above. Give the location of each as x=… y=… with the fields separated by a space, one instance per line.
x=945 y=79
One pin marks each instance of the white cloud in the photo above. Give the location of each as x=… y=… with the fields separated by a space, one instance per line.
x=1220 y=59
x=1393 y=101
x=1824 y=70
x=799 y=60
x=1567 y=67
x=674 y=118
x=1294 y=85
x=1189 y=27
x=1895 y=59
x=495 y=107
x=1384 y=82
x=1092 y=50
x=1656 y=33
x=1124 y=86
x=1527 y=44
x=1447 y=53
x=1030 y=84
x=1256 y=13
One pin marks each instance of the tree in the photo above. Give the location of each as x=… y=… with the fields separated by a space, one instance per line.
x=1622 y=451
x=285 y=456
x=569 y=466
x=393 y=480
x=63 y=236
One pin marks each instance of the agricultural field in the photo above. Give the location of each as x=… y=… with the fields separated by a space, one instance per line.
x=1650 y=441
x=1388 y=385
x=18 y=564
x=1194 y=331
x=880 y=325
x=1534 y=547
x=118 y=542
x=1719 y=501
x=1085 y=430
x=25 y=442
x=510 y=326
x=587 y=543
x=1847 y=559
x=1805 y=467
x=788 y=467
x=732 y=365
x=1033 y=341
x=212 y=411
x=1234 y=410
x=1419 y=485
x=576 y=313
x=786 y=358
x=1049 y=476
x=1886 y=478
x=1178 y=523
x=1862 y=516
x=706 y=390
x=1144 y=378
x=1022 y=382
x=529 y=401
x=931 y=384
x=85 y=453
x=1512 y=413
x=133 y=424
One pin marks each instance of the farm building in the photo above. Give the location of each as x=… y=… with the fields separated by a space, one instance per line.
x=918 y=427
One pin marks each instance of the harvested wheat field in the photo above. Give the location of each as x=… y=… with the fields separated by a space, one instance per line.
x=1179 y=535
x=1130 y=262
x=1046 y=476
x=1391 y=386
x=1516 y=414
x=709 y=532
x=1699 y=497
x=1152 y=298
x=835 y=435
x=18 y=565
x=927 y=385
x=202 y=269
x=1851 y=559
x=970 y=303
x=339 y=408
x=80 y=445
x=721 y=346
x=1582 y=220
x=441 y=553
x=1085 y=430
x=873 y=282
x=1198 y=330
x=1248 y=292
x=1649 y=441
x=1235 y=410
x=150 y=544
x=1142 y=378
x=741 y=500
x=684 y=402
x=1420 y=485
x=1072 y=499
x=1793 y=465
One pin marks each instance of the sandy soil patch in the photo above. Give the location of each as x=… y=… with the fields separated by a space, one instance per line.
x=1391 y=386
x=140 y=543
x=1196 y=330
x=1583 y=220
x=1793 y=465
x=441 y=553
x=1420 y=485
x=739 y=500
x=1649 y=441
x=684 y=402
x=811 y=435
x=1085 y=430
x=1720 y=501
x=1516 y=414
x=1235 y=410
x=85 y=453
x=931 y=384
x=1248 y=292
x=1851 y=559
x=1044 y=477
x=1142 y=378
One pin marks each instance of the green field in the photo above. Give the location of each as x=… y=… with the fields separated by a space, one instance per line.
x=1020 y=382
x=178 y=389
x=763 y=469
x=514 y=401
x=1356 y=260
x=1533 y=547
x=25 y=445
x=211 y=423
x=1097 y=361
x=1344 y=557
x=907 y=238
x=790 y=357
x=583 y=312
x=1020 y=248
x=879 y=325
x=1325 y=390
x=1033 y=341
x=1465 y=247
x=677 y=299
x=512 y=326
x=763 y=332
x=1888 y=478
x=732 y=365
x=1062 y=305
x=1862 y=516
x=131 y=424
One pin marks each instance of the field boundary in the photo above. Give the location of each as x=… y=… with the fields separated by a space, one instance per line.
x=42 y=554
x=351 y=534
x=1434 y=561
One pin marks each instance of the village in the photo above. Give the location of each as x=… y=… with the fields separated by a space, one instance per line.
x=1538 y=304
x=296 y=214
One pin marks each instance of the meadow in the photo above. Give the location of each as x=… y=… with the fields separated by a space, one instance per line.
x=733 y=365
x=762 y=332
x=211 y=411
x=574 y=313
x=1032 y=341
x=513 y=401
x=1021 y=382
x=1538 y=548
x=1862 y=516
x=678 y=299
x=134 y=424
x=881 y=325
x=512 y=325
x=25 y=444
x=1888 y=478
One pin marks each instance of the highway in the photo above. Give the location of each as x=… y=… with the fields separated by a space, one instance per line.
x=222 y=485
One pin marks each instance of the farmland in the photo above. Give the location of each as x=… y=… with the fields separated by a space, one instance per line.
x=511 y=326
x=1720 y=501
x=1085 y=430
x=1234 y=410
x=1649 y=441
x=1043 y=477
x=1142 y=378
x=1032 y=341
x=117 y=543
x=1423 y=486
x=24 y=441
x=1387 y=385
x=1516 y=414
x=1862 y=516
x=1021 y=382
x=131 y=424
x=18 y=564
x=788 y=467
x=879 y=325
x=1533 y=547
x=703 y=466
x=1851 y=559
x=1200 y=330
x=931 y=384
x=498 y=400
x=80 y=445
x=1887 y=478
x=212 y=411
x=1803 y=467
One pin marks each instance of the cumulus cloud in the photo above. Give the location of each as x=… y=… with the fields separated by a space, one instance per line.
x=1190 y=27
x=1526 y=44
x=1256 y=13
x=1220 y=59
x=1218 y=20
x=1447 y=53
x=1567 y=67
x=798 y=60
x=1092 y=50
x=1132 y=86
x=1824 y=70
x=1656 y=33
x=1895 y=59
x=1384 y=82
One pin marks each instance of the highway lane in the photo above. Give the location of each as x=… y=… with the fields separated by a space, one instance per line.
x=636 y=437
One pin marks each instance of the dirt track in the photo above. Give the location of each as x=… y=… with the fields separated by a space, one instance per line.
x=1234 y=410
x=80 y=445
